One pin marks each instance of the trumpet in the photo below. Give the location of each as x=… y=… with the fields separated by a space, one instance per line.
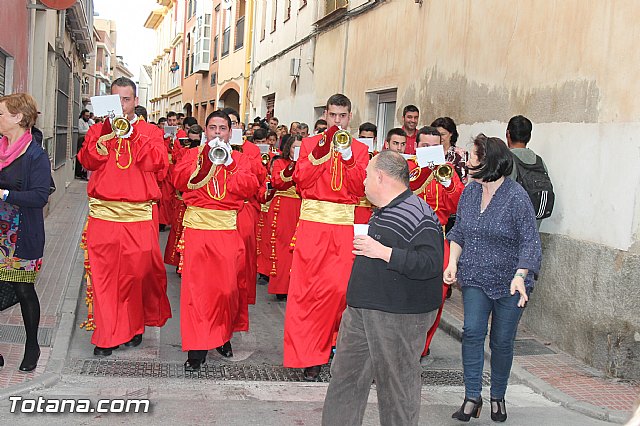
x=120 y=126
x=443 y=172
x=218 y=155
x=341 y=139
x=265 y=159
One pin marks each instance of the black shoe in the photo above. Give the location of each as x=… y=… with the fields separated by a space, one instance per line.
x=30 y=360
x=225 y=350
x=98 y=351
x=1 y=361
x=500 y=414
x=135 y=341
x=312 y=374
x=449 y=292
x=194 y=364
x=163 y=227
x=281 y=297
x=475 y=410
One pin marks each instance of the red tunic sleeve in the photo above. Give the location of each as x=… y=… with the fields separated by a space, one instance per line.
x=279 y=180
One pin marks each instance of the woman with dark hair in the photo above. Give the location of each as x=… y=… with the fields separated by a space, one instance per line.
x=453 y=154
x=283 y=216
x=25 y=183
x=495 y=253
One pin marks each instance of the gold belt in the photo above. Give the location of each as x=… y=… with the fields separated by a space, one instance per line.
x=120 y=211
x=363 y=202
x=209 y=219
x=291 y=193
x=327 y=212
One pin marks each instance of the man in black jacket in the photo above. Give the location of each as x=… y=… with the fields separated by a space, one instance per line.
x=393 y=296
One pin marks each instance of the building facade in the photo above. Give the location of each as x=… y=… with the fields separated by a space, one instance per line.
x=166 y=87
x=481 y=63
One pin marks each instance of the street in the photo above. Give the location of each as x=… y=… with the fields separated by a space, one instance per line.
x=252 y=388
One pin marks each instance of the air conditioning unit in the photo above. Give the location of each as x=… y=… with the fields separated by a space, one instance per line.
x=295 y=67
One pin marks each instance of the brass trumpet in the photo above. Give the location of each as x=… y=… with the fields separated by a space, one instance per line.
x=120 y=126
x=341 y=139
x=443 y=172
x=218 y=155
x=265 y=159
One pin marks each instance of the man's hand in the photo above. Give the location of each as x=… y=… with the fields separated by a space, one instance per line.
x=364 y=245
x=446 y=183
x=450 y=274
x=345 y=152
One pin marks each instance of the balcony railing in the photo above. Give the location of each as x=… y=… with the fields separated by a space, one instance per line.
x=174 y=79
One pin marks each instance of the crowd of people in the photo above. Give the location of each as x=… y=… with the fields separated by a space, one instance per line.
x=363 y=245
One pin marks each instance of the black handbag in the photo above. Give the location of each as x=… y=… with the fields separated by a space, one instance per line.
x=8 y=296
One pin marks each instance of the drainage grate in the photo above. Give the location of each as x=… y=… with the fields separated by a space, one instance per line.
x=525 y=347
x=236 y=372
x=16 y=334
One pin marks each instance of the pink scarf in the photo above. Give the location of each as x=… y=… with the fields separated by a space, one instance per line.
x=8 y=153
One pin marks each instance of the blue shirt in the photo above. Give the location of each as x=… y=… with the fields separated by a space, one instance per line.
x=498 y=241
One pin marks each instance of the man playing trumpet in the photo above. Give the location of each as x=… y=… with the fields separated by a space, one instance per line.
x=329 y=176
x=441 y=188
x=215 y=181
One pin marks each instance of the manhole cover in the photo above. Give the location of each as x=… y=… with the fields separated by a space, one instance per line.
x=525 y=347
x=16 y=334
x=236 y=372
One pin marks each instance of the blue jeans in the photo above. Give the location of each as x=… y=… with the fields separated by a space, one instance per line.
x=505 y=315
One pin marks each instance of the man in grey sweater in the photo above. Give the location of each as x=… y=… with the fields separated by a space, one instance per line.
x=393 y=296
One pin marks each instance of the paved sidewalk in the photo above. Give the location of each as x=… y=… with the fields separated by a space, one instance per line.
x=58 y=288
x=556 y=375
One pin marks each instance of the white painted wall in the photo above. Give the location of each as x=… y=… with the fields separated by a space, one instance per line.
x=593 y=167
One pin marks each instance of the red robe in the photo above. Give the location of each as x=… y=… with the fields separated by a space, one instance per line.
x=444 y=202
x=410 y=148
x=283 y=218
x=210 y=298
x=129 y=288
x=322 y=256
x=248 y=220
x=167 y=205
x=263 y=231
x=171 y=251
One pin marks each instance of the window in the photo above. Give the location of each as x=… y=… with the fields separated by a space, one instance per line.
x=3 y=69
x=386 y=114
x=239 y=32
x=226 y=35
x=287 y=10
x=215 y=48
x=202 y=45
x=333 y=5
x=274 y=15
x=213 y=79
x=264 y=20
x=63 y=95
x=191 y=9
x=303 y=3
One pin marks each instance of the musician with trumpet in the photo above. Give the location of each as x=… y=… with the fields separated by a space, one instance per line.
x=215 y=181
x=329 y=175
x=441 y=188
x=124 y=261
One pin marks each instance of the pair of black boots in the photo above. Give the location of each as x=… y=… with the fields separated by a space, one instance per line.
x=498 y=410
x=196 y=359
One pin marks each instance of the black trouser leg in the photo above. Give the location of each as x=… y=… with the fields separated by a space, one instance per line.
x=199 y=354
x=30 y=306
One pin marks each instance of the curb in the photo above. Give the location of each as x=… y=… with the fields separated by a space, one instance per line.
x=62 y=339
x=453 y=326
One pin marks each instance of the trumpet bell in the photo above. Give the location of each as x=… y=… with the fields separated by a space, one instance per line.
x=444 y=172
x=341 y=139
x=218 y=155
x=120 y=126
x=265 y=159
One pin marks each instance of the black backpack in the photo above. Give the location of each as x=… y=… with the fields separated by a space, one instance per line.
x=535 y=180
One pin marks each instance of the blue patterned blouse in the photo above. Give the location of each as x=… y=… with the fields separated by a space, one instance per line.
x=498 y=241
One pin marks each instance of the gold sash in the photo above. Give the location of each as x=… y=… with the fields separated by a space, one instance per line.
x=265 y=207
x=291 y=193
x=210 y=220
x=364 y=202
x=327 y=212
x=120 y=211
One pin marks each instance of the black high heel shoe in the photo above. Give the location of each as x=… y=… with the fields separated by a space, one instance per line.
x=225 y=350
x=500 y=414
x=1 y=361
x=475 y=411
x=30 y=360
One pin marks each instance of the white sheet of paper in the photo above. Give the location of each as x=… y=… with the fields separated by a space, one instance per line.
x=236 y=137
x=360 y=229
x=296 y=153
x=264 y=148
x=430 y=156
x=407 y=156
x=106 y=105
x=368 y=142
x=170 y=130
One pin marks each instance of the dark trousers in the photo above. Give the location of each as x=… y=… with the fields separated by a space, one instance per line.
x=505 y=315
x=79 y=172
x=382 y=346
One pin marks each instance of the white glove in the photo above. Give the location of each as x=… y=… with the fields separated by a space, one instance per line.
x=215 y=141
x=227 y=148
x=345 y=152
x=446 y=183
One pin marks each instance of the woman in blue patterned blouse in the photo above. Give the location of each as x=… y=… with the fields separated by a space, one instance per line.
x=495 y=254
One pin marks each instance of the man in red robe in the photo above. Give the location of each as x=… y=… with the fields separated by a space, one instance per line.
x=442 y=196
x=330 y=180
x=213 y=256
x=122 y=242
